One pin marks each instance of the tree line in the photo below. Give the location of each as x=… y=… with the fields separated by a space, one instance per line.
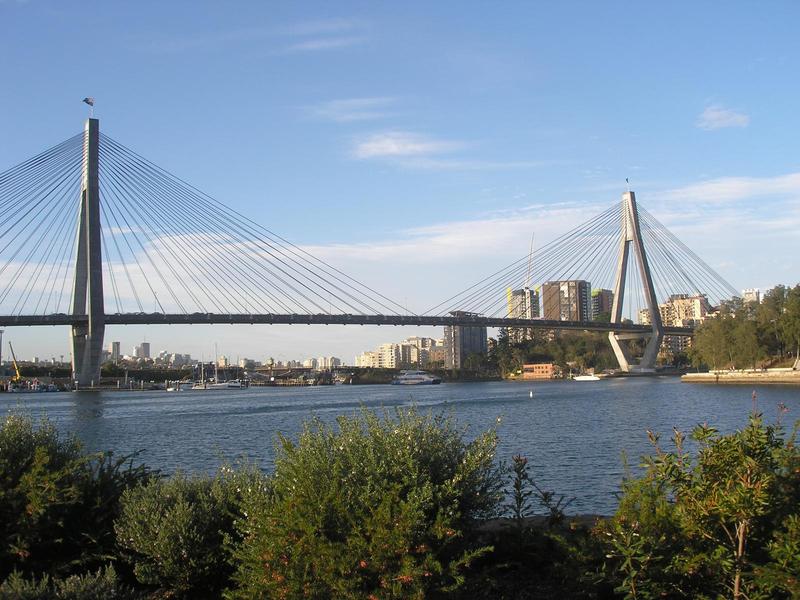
x=750 y=334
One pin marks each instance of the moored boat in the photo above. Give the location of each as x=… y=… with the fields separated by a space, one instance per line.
x=413 y=377
x=586 y=378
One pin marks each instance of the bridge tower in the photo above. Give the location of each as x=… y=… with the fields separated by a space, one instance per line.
x=87 y=294
x=632 y=234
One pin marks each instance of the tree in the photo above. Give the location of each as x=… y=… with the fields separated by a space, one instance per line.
x=713 y=342
x=717 y=524
x=768 y=316
x=790 y=322
x=747 y=350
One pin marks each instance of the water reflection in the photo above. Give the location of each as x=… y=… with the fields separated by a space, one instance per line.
x=573 y=433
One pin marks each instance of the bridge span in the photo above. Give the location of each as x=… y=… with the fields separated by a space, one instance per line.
x=333 y=319
x=144 y=238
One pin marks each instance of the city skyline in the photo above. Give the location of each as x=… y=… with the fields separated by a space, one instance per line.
x=490 y=127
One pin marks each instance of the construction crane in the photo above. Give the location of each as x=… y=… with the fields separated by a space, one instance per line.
x=18 y=376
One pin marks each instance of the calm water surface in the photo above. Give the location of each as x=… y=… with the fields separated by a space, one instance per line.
x=574 y=433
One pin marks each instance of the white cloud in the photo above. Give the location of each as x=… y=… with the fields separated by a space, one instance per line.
x=733 y=189
x=327 y=43
x=401 y=144
x=719 y=117
x=502 y=236
x=327 y=34
x=455 y=164
x=302 y=37
x=322 y=26
x=352 y=109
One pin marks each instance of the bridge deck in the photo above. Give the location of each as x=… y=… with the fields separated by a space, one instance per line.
x=327 y=319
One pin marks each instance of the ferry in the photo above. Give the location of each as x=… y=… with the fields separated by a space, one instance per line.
x=415 y=378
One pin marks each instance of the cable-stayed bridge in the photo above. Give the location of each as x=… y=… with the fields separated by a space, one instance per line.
x=97 y=235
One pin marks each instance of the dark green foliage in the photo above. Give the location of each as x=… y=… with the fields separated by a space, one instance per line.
x=102 y=585
x=379 y=509
x=568 y=350
x=57 y=505
x=533 y=556
x=780 y=577
x=722 y=524
x=745 y=335
x=176 y=532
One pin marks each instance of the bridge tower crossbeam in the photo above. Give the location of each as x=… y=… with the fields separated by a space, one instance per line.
x=87 y=294
x=632 y=235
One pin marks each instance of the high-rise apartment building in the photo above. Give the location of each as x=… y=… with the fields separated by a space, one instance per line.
x=602 y=302
x=415 y=351
x=142 y=350
x=522 y=304
x=461 y=341
x=682 y=310
x=752 y=295
x=388 y=356
x=367 y=360
x=114 y=351
x=567 y=300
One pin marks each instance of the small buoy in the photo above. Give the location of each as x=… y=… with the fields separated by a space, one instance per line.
x=531 y=393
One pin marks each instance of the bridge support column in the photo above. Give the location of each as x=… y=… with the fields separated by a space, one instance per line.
x=87 y=297
x=631 y=234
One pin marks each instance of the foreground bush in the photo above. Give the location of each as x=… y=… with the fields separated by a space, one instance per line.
x=102 y=585
x=723 y=524
x=57 y=504
x=381 y=508
x=176 y=532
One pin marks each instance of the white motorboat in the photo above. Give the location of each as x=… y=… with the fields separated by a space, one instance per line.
x=411 y=377
x=586 y=378
x=179 y=386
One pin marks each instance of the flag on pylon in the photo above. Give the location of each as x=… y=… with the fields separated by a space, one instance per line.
x=89 y=101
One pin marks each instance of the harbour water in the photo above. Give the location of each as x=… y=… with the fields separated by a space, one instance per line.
x=573 y=433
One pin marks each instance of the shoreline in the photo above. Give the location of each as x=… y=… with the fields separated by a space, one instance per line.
x=767 y=377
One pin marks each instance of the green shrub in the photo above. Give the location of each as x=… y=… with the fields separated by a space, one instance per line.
x=381 y=508
x=706 y=527
x=780 y=577
x=102 y=585
x=175 y=532
x=57 y=504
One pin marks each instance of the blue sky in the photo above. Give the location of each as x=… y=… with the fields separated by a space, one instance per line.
x=417 y=145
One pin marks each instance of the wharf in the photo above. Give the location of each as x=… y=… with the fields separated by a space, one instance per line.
x=746 y=376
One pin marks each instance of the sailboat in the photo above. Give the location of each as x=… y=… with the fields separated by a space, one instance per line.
x=216 y=384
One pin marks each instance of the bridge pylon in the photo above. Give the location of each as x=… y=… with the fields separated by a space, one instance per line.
x=631 y=234
x=87 y=294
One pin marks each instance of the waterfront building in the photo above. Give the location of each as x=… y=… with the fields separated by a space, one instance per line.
x=389 y=356
x=310 y=363
x=751 y=295
x=567 y=300
x=367 y=360
x=522 y=304
x=602 y=301
x=415 y=351
x=461 y=341
x=328 y=362
x=540 y=371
